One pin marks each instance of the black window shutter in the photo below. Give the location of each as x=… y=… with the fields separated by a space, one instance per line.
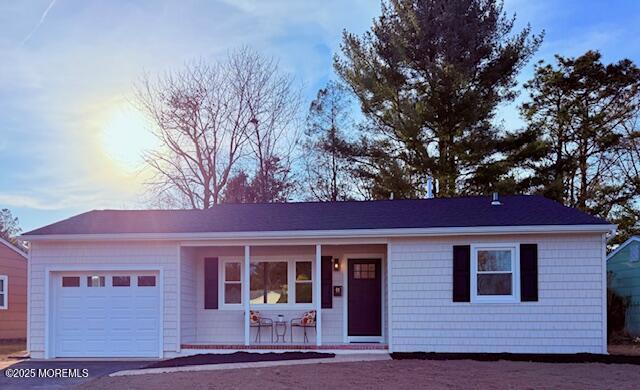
x=461 y=273
x=326 y=286
x=211 y=283
x=529 y=272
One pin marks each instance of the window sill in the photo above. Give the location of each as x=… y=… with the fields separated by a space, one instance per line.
x=268 y=307
x=497 y=299
x=288 y=306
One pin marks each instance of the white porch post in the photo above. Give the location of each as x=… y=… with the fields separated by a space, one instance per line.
x=389 y=300
x=317 y=294
x=246 y=293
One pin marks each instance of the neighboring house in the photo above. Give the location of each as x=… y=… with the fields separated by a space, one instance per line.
x=624 y=266
x=13 y=292
x=524 y=275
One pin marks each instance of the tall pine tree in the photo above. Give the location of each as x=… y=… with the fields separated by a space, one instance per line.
x=429 y=76
x=586 y=115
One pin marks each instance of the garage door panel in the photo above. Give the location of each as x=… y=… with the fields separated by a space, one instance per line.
x=123 y=315
x=145 y=325
x=142 y=334
x=107 y=321
x=118 y=326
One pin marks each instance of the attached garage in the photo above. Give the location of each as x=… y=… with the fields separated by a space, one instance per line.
x=106 y=314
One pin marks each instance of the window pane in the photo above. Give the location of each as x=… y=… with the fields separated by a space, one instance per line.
x=256 y=282
x=364 y=271
x=1 y=299
x=494 y=284
x=121 y=281
x=494 y=260
x=303 y=270
x=304 y=293
x=2 y=285
x=146 y=281
x=277 y=290
x=268 y=282
x=70 y=281
x=232 y=272
x=232 y=293
x=95 y=281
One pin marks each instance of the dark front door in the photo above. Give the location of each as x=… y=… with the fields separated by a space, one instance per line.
x=365 y=297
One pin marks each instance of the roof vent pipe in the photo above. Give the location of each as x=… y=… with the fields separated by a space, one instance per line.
x=429 y=187
x=496 y=199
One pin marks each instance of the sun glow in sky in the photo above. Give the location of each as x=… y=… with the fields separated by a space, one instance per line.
x=126 y=135
x=70 y=141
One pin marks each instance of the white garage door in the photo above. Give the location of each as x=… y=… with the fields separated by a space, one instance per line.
x=106 y=314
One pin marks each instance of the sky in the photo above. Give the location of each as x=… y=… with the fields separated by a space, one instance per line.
x=70 y=140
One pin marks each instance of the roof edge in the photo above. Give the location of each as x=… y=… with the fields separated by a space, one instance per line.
x=347 y=233
x=623 y=245
x=13 y=248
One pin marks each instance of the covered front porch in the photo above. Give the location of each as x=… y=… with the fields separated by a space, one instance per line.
x=265 y=296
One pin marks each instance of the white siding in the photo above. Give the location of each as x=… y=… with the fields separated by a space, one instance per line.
x=332 y=323
x=216 y=326
x=144 y=255
x=188 y=297
x=568 y=317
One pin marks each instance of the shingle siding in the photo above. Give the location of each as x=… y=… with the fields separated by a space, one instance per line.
x=188 y=298
x=146 y=255
x=568 y=317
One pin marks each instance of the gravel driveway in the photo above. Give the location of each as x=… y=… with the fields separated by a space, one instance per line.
x=400 y=374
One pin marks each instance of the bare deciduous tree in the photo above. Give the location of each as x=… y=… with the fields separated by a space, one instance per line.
x=204 y=116
x=274 y=106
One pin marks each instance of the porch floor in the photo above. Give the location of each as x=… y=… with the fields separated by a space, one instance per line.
x=242 y=347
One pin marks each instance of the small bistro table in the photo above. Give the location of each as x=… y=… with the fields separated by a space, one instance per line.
x=280 y=327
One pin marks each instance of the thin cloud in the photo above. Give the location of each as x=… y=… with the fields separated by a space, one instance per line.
x=18 y=200
x=42 y=18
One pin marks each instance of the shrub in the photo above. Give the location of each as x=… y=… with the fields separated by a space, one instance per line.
x=616 y=310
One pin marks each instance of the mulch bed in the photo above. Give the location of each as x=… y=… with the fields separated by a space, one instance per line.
x=238 y=357
x=521 y=357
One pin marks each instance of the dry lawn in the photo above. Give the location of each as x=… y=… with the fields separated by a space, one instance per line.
x=625 y=349
x=397 y=374
x=11 y=349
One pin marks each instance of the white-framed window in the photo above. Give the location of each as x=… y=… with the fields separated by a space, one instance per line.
x=146 y=281
x=304 y=282
x=232 y=277
x=4 y=292
x=95 y=281
x=70 y=281
x=273 y=282
x=495 y=274
x=121 y=281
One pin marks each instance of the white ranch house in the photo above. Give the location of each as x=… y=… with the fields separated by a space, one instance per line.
x=522 y=275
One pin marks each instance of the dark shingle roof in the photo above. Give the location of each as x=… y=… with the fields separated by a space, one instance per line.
x=386 y=214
